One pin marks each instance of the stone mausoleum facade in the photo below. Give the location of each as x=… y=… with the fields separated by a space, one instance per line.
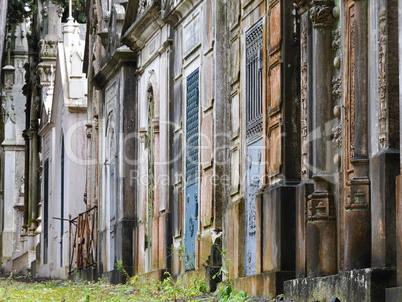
x=186 y=136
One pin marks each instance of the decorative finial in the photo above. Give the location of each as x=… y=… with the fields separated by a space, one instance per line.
x=70 y=8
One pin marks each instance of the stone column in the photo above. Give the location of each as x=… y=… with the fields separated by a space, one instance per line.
x=278 y=199
x=357 y=207
x=125 y=225
x=221 y=142
x=321 y=221
x=26 y=183
x=34 y=184
x=399 y=178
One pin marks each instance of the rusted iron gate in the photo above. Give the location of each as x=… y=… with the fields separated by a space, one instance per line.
x=83 y=240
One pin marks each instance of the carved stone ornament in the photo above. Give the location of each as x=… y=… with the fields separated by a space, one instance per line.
x=45 y=11
x=36 y=104
x=336 y=42
x=301 y=3
x=337 y=135
x=7 y=108
x=60 y=11
x=143 y=6
x=45 y=74
x=304 y=99
x=336 y=88
x=249 y=262
x=4 y=109
x=9 y=77
x=163 y=8
x=48 y=48
x=321 y=13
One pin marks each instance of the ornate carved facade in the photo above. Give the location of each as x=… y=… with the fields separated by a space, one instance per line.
x=268 y=129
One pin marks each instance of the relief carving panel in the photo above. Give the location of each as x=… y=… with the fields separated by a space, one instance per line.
x=304 y=100
x=382 y=79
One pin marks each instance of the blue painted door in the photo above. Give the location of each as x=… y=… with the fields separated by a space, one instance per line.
x=254 y=175
x=192 y=157
x=254 y=127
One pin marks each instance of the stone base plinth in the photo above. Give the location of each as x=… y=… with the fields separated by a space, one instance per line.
x=263 y=285
x=358 y=285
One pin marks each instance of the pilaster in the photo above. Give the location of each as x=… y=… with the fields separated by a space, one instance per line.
x=321 y=218
x=357 y=214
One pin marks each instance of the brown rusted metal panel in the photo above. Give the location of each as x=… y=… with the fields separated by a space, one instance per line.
x=83 y=246
x=274 y=25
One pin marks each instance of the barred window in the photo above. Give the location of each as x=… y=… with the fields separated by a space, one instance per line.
x=192 y=127
x=254 y=80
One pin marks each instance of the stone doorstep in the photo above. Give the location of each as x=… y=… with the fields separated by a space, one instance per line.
x=267 y=285
x=158 y=274
x=189 y=276
x=393 y=294
x=22 y=263
x=366 y=285
x=90 y=274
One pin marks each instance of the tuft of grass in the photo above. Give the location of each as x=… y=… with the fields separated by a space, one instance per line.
x=138 y=288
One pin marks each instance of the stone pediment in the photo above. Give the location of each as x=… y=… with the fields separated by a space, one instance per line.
x=148 y=19
x=44 y=116
x=111 y=34
x=174 y=11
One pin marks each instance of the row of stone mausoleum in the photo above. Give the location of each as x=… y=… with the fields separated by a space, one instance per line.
x=186 y=136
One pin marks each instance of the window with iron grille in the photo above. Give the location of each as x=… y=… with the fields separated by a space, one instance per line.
x=192 y=127
x=254 y=80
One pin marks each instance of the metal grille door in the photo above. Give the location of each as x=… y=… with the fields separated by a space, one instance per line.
x=254 y=141
x=191 y=200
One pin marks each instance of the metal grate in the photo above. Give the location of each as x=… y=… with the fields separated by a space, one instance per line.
x=254 y=80
x=192 y=127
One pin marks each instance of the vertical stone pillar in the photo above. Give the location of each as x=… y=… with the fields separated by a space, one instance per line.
x=7 y=100
x=357 y=206
x=399 y=178
x=26 y=182
x=125 y=226
x=221 y=142
x=321 y=221
x=385 y=163
x=34 y=184
x=305 y=188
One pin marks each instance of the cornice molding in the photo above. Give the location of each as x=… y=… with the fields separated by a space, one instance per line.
x=122 y=56
x=143 y=27
x=174 y=14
